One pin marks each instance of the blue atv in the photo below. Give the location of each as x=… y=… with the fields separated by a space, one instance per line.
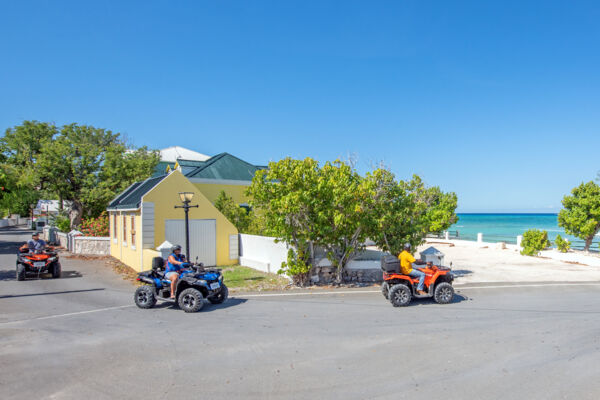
x=195 y=284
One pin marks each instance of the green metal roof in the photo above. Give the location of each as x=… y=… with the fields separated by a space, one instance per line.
x=225 y=166
x=132 y=196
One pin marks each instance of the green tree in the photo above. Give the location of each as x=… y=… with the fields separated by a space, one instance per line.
x=563 y=245
x=580 y=216
x=286 y=195
x=406 y=211
x=238 y=216
x=20 y=148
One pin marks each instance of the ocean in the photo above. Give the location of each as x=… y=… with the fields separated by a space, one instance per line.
x=506 y=227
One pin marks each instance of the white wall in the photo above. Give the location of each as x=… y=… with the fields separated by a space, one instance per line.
x=262 y=253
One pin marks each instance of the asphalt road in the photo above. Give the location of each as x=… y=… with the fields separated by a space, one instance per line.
x=81 y=337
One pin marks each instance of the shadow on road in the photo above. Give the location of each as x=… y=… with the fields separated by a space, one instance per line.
x=461 y=272
x=10 y=247
x=208 y=307
x=458 y=298
x=9 y=296
x=10 y=275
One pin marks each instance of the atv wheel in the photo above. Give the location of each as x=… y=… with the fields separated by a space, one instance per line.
x=190 y=300
x=221 y=296
x=56 y=270
x=400 y=295
x=20 y=272
x=385 y=290
x=444 y=293
x=144 y=297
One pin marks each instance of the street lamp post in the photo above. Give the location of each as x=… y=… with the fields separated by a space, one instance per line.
x=186 y=199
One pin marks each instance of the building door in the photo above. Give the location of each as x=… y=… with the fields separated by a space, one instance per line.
x=203 y=238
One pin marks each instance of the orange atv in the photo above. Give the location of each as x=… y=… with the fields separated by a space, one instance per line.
x=399 y=289
x=37 y=263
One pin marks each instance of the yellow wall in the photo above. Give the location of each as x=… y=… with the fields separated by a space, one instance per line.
x=212 y=190
x=165 y=196
x=129 y=253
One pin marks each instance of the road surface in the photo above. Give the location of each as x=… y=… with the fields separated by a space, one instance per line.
x=81 y=337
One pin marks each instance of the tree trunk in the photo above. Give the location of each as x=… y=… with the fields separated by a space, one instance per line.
x=588 y=243
x=60 y=204
x=75 y=213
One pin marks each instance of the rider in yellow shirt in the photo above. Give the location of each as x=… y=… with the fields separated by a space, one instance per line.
x=406 y=267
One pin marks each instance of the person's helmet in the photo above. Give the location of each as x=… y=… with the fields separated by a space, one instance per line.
x=407 y=246
x=176 y=247
x=35 y=234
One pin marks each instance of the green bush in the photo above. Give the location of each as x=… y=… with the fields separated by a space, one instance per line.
x=63 y=224
x=563 y=245
x=534 y=241
x=296 y=267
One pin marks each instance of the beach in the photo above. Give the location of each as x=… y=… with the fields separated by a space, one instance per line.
x=473 y=262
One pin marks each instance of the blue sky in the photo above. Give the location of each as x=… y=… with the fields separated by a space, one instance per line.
x=497 y=101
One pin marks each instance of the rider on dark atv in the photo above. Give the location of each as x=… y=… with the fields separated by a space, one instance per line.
x=34 y=245
x=175 y=263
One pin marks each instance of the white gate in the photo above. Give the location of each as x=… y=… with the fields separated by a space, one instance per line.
x=203 y=238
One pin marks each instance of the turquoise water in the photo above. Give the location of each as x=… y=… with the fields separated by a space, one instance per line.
x=506 y=227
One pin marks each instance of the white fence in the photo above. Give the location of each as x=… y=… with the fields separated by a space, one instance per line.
x=14 y=221
x=91 y=245
x=262 y=253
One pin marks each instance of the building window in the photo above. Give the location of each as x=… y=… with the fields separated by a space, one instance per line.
x=133 y=230
x=114 y=221
x=124 y=221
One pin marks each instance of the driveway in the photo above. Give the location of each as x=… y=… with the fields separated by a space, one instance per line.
x=81 y=337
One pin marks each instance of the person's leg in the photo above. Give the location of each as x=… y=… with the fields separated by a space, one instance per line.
x=173 y=276
x=415 y=273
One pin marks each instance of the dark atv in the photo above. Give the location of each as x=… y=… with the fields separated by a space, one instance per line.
x=37 y=263
x=194 y=285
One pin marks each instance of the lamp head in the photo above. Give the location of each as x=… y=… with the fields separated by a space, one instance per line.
x=186 y=197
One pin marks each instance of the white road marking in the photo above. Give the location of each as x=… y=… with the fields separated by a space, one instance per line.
x=67 y=314
x=528 y=285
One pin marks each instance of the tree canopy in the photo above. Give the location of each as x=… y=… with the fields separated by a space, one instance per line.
x=334 y=207
x=85 y=165
x=580 y=215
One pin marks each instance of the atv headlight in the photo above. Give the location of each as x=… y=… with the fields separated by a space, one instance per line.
x=51 y=259
x=202 y=281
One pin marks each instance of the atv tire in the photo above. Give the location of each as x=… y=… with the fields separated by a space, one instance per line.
x=56 y=270
x=221 y=296
x=385 y=290
x=400 y=295
x=444 y=293
x=190 y=300
x=20 y=272
x=144 y=297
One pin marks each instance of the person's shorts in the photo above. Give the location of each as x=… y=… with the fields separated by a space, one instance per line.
x=170 y=275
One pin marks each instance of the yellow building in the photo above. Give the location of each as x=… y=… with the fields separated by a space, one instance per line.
x=144 y=215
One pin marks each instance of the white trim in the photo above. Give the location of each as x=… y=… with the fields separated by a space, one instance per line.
x=115 y=240
x=122 y=209
x=132 y=247
x=124 y=244
x=220 y=181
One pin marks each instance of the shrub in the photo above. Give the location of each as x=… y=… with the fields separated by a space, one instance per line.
x=63 y=224
x=563 y=245
x=296 y=267
x=95 y=226
x=534 y=241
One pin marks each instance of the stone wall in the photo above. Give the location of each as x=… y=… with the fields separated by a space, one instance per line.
x=63 y=240
x=91 y=245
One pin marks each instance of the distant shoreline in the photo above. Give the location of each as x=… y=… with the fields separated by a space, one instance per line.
x=515 y=213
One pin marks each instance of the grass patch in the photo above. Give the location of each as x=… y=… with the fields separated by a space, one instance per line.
x=238 y=279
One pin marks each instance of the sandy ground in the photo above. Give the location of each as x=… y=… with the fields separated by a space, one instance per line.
x=473 y=263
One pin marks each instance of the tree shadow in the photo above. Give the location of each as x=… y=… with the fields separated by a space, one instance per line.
x=10 y=247
x=11 y=275
x=10 y=296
